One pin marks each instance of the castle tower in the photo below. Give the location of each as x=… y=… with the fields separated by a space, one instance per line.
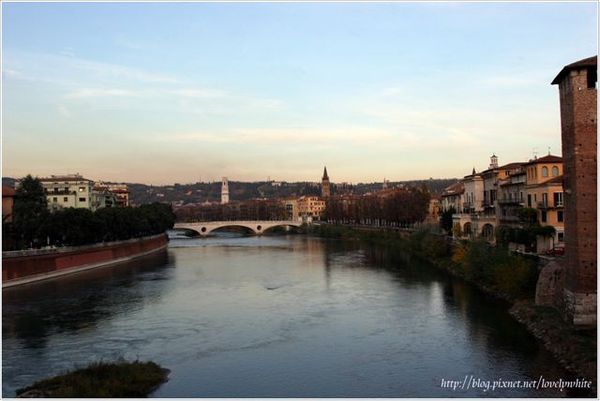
x=224 y=191
x=325 y=189
x=577 y=88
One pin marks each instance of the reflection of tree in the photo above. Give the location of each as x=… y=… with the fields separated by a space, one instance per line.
x=74 y=302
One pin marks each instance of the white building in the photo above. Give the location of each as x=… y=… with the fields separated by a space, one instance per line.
x=68 y=191
x=224 y=191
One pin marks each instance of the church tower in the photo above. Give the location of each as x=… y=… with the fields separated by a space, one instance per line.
x=224 y=191
x=325 y=189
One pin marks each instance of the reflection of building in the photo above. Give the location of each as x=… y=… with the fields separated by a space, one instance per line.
x=8 y=195
x=224 y=191
x=68 y=191
x=325 y=187
x=311 y=207
x=577 y=85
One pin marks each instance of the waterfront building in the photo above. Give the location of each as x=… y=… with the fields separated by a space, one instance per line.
x=577 y=83
x=544 y=192
x=452 y=197
x=325 y=186
x=224 y=191
x=8 y=195
x=291 y=209
x=310 y=208
x=120 y=192
x=68 y=191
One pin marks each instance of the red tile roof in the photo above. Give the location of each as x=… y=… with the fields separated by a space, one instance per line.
x=546 y=159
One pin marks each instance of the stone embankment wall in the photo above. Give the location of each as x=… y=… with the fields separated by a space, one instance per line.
x=22 y=267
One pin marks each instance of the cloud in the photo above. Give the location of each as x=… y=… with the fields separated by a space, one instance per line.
x=199 y=93
x=87 y=93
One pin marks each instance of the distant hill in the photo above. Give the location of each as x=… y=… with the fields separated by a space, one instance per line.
x=211 y=191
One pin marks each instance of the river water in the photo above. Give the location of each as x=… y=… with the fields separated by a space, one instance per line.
x=280 y=316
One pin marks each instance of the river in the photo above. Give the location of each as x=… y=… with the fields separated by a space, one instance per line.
x=274 y=316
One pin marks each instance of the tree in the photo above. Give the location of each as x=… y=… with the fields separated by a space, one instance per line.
x=446 y=220
x=30 y=210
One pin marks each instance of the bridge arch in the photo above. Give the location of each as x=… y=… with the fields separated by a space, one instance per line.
x=255 y=227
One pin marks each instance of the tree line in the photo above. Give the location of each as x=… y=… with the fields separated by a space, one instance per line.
x=400 y=207
x=257 y=209
x=34 y=226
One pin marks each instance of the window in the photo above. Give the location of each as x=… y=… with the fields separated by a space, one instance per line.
x=529 y=200
x=561 y=237
x=81 y=189
x=558 y=199
x=544 y=171
x=81 y=199
x=545 y=199
x=544 y=217
x=554 y=171
x=55 y=199
x=560 y=216
x=55 y=190
x=65 y=199
x=592 y=78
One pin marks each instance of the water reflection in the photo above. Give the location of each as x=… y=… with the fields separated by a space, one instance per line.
x=285 y=316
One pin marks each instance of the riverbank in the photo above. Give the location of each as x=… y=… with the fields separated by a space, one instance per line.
x=101 y=380
x=24 y=267
x=511 y=278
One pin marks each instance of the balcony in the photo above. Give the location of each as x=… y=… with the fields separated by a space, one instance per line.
x=510 y=202
x=547 y=205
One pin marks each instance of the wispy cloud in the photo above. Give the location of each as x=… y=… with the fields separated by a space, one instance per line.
x=87 y=93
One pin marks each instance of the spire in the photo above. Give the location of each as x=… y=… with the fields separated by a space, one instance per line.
x=325 y=177
x=473 y=171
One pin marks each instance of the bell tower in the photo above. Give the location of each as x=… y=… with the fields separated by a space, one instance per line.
x=224 y=191
x=325 y=188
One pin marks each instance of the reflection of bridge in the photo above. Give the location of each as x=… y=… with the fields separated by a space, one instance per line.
x=204 y=228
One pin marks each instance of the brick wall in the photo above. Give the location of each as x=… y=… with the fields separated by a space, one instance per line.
x=17 y=265
x=579 y=129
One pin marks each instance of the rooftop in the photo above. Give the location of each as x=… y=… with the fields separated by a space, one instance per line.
x=578 y=65
x=546 y=159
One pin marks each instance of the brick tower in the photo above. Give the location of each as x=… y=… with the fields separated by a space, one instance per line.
x=578 y=97
x=325 y=189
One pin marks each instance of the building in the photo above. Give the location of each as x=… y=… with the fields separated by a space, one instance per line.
x=577 y=84
x=224 y=191
x=311 y=208
x=291 y=209
x=8 y=195
x=69 y=191
x=452 y=197
x=325 y=187
x=544 y=192
x=119 y=191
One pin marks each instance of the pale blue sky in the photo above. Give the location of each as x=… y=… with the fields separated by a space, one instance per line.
x=162 y=93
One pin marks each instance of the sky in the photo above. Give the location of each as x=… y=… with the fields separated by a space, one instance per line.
x=159 y=93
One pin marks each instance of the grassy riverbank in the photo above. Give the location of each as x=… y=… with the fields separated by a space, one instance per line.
x=499 y=273
x=101 y=380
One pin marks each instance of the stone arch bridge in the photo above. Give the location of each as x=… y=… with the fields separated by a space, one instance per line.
x=204 y=228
